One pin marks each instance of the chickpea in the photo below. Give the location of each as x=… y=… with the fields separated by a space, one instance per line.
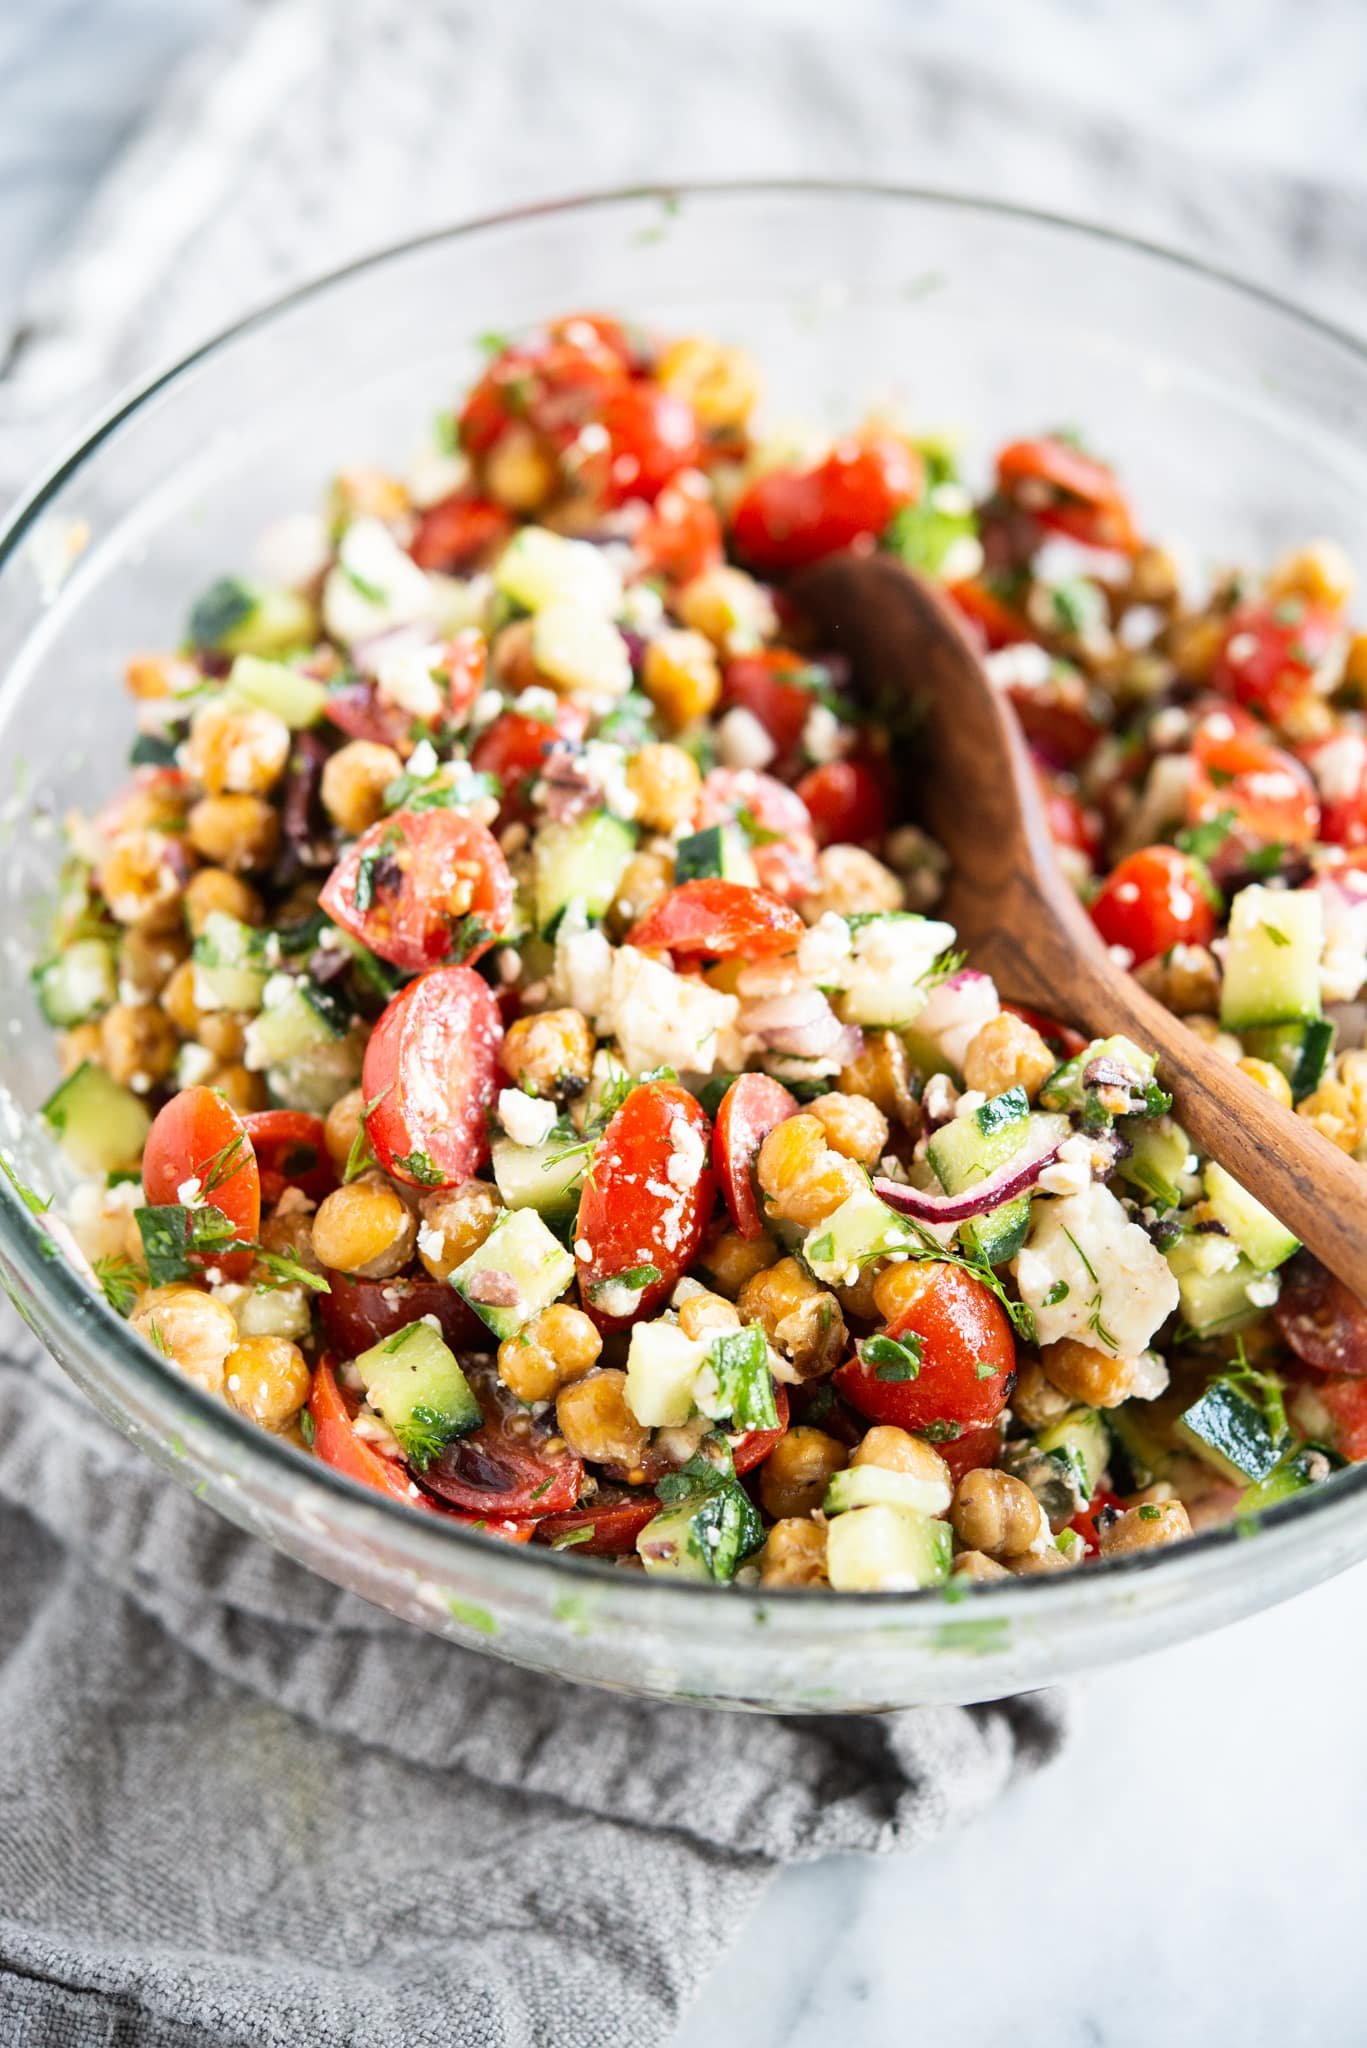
x=897 y=1450
x=1008 y=1053
x=703 y=1315
x=977 y=1565
x=266 y=1379
x=149 y=676
x=665 y=783
x=851 y=881
x=355 y=779
x=81 y=1044
x=141 y=878
x=341 y=1126
x=729 y=608
x=243 y=1090
x=1096 y=1379
x=1039 y=1563
x=729 y=1259
x=995 y=1513
x=189 y=1328
x=593 y=1417
x=1194 y=645
x=288 y=1230
x=1145 y=1528
x=1320 y=572
x=899 y=1287
x=882 y=1075
x=550 y=1054
x=223 y=1033
x=237 y=832
x=721 y=383
x=802 y=1177
x=512 y=660
x=681 y=677
x=519 y=472
x=138 y=1043
x=365 y=492
x=178 y=1000
x=1355 y=665
x=855 y=1127
x=1208 y=1030
x=794 y=1476
x=553 y=1350
x=1035 y=1400
x=856 y=1296
x=211 y=889
x=646 y=880
x=794 y=1554
x=1185 y=980
x=455 y=1223
x=1154 y=579
x=365 y=1228
x=801 y=1318
x=1268 y=1077
x=238 y=747
x=147 y=959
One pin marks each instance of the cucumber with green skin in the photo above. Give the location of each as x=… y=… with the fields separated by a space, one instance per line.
x=102 y=1125
x=968 y=1149
x=230 y=971
x=1214 y=1298
x=866 y=1486
x=274 y=686
x=886 y=1549
x=1307 y=1466
x=1272 y=959
x=1264 y=1241
x=77 y=984
x=1230 y=1433
x=413 y=1382
x=706 y=1537
x=518 y=1270
x=1156 y=1163
x=586 y=860
x=546 y=1177
x=1300 y=1051
x=718 y=850
x=237 y=617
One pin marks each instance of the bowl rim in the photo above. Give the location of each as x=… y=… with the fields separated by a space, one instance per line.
x=53 y=1277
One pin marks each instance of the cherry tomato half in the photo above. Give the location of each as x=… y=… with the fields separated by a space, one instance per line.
x=967 y=1360
x=1270 y=794
x=358 y=1313
x=198 y=1137
x=652 y=436
x=336 y=1442
x=407 y=885
x=1324 y=1324
x=1068 y=491
x=971 y=1449
x=291 y=1152
x=850 y=801
x=1272 y=651
x=769 y=685
x=996 y=621
x=431 y=1070
x=1346 y=1403
x=1152 y=901
x=459 y=533
x=785 y=862
x=719 y=918
x=557 y=387
x=631 y=1214
x=514 y=748
x=751 y=1107
x=681 y=534
x=1339 y=766
x=503 y=1468
x=790 y=518
x=613 y=1519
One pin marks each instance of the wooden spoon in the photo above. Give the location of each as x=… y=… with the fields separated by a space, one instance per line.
x=1019 y=919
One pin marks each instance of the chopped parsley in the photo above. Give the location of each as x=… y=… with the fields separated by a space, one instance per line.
x=892 y=1358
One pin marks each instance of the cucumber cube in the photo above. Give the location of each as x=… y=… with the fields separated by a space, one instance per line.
x=1272 y=966
x=1264 y=1241
x=544 y=1177
x=662 y=1375
x=586 y=859
x=860 y=1230
x=885 y=1549
x=735 y=1383
x=719 y=850
x=539 y=568
x=76 y=985
x=413 y=1382
x=102 y=1125
x=518 y=1270
x=275 y=686
x=707 y=1537
x=229 y=968
x=1230 y=1433
x=867 y=1486
x=236 y=617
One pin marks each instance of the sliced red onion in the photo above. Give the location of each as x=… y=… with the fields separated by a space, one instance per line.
x=1017 y=1177
x=801 y=1023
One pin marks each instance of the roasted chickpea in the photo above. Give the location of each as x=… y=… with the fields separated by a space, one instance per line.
x=803 y=1179
x=141 y=878
x=1269 y=1078
x=855 y=1127
x=1035 y=1400
x=138 y=1044
x=977 y=1565
x=794 y=1477
x=240 y=748
x=882 y=1074
x=728 y=608
x=243 y=1090
x=553 y=1350
x=665 y=783
x=729 y=1259
x=266 y=1378
x=75 y=1047
x=1185 y=980
x=237 y=832
x=341 y=1126
x=794 y=1554
x=995 y=1513
x=721 y=383
x=512 y=659
x=550 y=1054
x=147 y=959
x=803 y=1319
x=355 y=779
x=850 y=882
x=365 y=1228
x=703 y=1315
x=899 y=1287
x=1085 y=1374
x=896 y=1450
x=593 y=1417
x=646 y=880
x=519 y=471
x=1145 y=1528
x=211 y=889
x=455 y=1223
x=1008 y=1053
x=189 y=1328
x=681 y=677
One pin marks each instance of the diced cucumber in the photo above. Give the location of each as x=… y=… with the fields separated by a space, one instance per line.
x=1229 y=1432
x=230 y=972
x=413 y=1382
x=1157 y=1160
x=951 y=1019
x=735 y=1384
x=867 y=1486
x=707 y=1537
x=585 y=859
x=545 y=1177
x=1301 y=1051
x=1272 y=964
x=1213 y=1292
x=1265 y=1242
x=519 y=1259
x=102 y=1125
x=892 y=952
x=235 y=617
x=275 y=686
x=1308 y=1465
x=860 y=1230
x=304 y=1042
x=886 y=1549
x=78 y=984
x=1138 y=1444
x=539 y=568
x=1064 y=1088
x=719 y=850
x=662 y=1373
x=969 y=1148
x=998 y=1235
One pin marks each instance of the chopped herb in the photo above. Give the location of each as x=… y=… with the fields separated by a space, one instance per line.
x=471 y=935
x=492 y=342
x=892 y=1358
x=1275 y=934
x=1095 y=1324
x=159 y=1343
x=35 y=1204
x=942 y=1432
x=570 y=1538
x=1057 y=1293
x=306 y=1427
x=757 y=834
x=1087 y=1264
x=983 y=1370
x=1149 y=1512
x=422 y=1436
x=636 y=1279
x=119 y=1281
x=942 y=967
x=172 y=1235
x=709 y=1469
x=360 y=1157
x=419 y=1167
x=1205 y=840
x=373 y=593
x=225 y=1163
x=399 y=1338
x=287 y=1272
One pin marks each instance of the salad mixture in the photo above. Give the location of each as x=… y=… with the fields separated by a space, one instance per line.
x=510 y=1051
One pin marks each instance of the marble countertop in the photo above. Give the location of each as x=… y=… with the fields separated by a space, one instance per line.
x=1191 y=1870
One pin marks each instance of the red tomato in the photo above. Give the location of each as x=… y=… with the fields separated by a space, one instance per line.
x=631 y=1214
x=1068 y=491
x=614 y=1518
x=1153 y=901
x=1058 y=715
x=962 y=1327
x=1270 y=794
x=681 y=534
x=515 y=746
x=1346 y=1401
x=557 y=387
x=291 y=1152
x=431 y=1070
x=1324 y=1324
x=358 y=1313
x=502 y=1468
x=849 y=800
x=1060 y=1038
x=406 y=885
x=719 y=918
x=786 y=864
x=755 y=1446
x=768 y=685
x=1084 y=1524
x=651 y=436
x=1339 y=766
x=197 y=1136
x=994 y=619
x=750 y=1108
x=790 y=518
x=972 y=1449
x=335 y=1441
x=1272 y=652
x=459 y=533
x=596 y=333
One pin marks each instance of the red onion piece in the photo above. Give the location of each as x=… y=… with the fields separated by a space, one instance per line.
x=1017 y=1177
x=802 y=1024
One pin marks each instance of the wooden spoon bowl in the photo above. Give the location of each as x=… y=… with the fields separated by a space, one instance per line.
x=1020 y=920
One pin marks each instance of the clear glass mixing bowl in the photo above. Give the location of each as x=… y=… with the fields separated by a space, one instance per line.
x=1239 y=423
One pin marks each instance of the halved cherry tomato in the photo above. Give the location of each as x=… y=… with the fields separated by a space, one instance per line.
x=1339 y=766
x=1084 y=1524
x=335 y=1441
x=631 y=1214
x=614 y=1518
x=1068 y=491
x=994 y=619
x=1070 y=822
x=967 y=1360
x=459 y=533
x=785 y=863
x=681 y=534
x=291 y=1152
x=502 y=1469
x=1272 y=651
x=1324 y=1324
x=849 y=800
x=971 y=1449
x=198 y=1137
x=359 y=710
x=790 y=517
x=652 y=435
x=1346 y=1402
x=596 y=332
x=405 y=887
x=431 y=1070
x=1270 y=794
x=1060 y=1038
x=755 y=1446
x=719 y=918
x=1154 y=900
x=770 y=684
x=557 y=387
x=1059 y=713
x=358 y=1313
x=750 y=1109
x=515 y=746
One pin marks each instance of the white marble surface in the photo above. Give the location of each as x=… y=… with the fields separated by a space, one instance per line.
x=1191 y=1871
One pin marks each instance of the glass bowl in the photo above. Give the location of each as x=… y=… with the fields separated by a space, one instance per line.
x=1239 y=423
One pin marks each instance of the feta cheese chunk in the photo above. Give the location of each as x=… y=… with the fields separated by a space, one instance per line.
x=663 y=1019
x=526 y=1119
x=1119 y=1286
x=374 y=586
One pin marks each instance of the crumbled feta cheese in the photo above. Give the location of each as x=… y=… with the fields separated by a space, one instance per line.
x=537 y=702
x=824 y=950
x=970 y=1101
x=581 y=650
x=1072 y=1170
x=293 y=551
x=485 y=709
x=539 y=569
x=583 y=1250
x=687 y=1154
x=434 y=474
x=583 y=963
x=605 y=764
x=824 y=738
x=742 y=741
x=406 y=678
x=938 y=1099
x=663 y=1019
x=643 y=608
x=189 y=1191
x=1340 y=766
x=194 y=1064
x=526 y=1119
x=1120 y=1287
x=1025 y=666
x=431 y=1241
x=1170 y=727
x=1263 y=1291
x=1150 y=1378
x=373 y=586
